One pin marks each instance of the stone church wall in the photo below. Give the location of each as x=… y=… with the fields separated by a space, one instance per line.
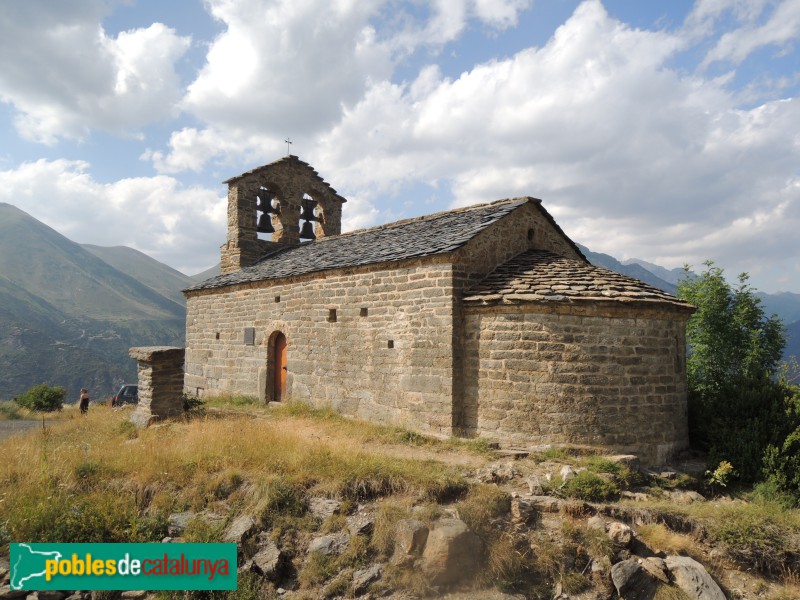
x=387 y=357
x=526 y=228
x=598 y=378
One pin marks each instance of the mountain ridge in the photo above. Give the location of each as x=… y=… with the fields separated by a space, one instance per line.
x=67 y=317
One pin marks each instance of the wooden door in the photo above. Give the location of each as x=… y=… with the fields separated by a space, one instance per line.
x=280 y=368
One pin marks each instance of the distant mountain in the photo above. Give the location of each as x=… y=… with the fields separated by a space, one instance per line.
x=207 y=274
x=634 y=270
x=68 y=317
x=672 y=276
x=784 y=304
x=157 y=276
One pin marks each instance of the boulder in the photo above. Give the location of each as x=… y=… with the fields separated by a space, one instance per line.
x=545 y=503
x=620 y=534
x=410 y=537
x=451 y=553
x=363 y=578
x=328 y=544
x=132 y=595
x=523 y=511
x=360 y=524
x=567 y=473
x=535 y=485
x=177 y=522
x=633 y=582
x=496 y=473
x=596 y=522
x=656 y=567
x=241 y=529
x=4 y=568
x=269 y=561
x=6 y=593
x=322 y=508
x=693 y=579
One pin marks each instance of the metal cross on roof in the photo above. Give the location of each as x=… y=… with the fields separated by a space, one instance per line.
x=288 y=142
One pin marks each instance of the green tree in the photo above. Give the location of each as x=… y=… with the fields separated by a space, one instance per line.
x=730 y=338
x=737 y=407
x=43 y=398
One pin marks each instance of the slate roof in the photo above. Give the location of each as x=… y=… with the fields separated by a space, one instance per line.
x=539 y=276
x=413 y=238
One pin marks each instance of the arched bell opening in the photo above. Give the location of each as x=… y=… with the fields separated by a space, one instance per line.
x=308 y=215
x=268 y=209
x=276 y=367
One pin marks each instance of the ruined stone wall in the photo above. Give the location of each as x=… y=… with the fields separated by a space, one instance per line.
x=386 y=358
x=160 y=381
x=606 y=378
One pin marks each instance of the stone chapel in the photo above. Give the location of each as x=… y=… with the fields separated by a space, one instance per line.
x=481 y=321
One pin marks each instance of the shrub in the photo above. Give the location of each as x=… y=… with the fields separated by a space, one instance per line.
x=782 y=465
x=588 y=486
x=43 y=398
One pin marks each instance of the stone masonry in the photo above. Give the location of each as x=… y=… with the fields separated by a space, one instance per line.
x=482 y=321
x=284 y=184
x=598 y=378
x=160 y=383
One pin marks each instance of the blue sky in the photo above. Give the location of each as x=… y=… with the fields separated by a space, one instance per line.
x=666 y=131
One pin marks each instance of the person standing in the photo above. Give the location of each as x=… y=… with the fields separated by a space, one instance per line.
x=84 y=404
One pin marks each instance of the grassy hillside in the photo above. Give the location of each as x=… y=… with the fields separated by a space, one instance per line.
x=273 y=464
x=68 y=318
x=157 y=276
x=47 y=265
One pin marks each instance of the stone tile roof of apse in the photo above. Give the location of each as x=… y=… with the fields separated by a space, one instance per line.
x=290 y=159
x=412 y=238
x=540 y=276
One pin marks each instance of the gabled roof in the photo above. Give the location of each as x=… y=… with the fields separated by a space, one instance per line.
x=293 y=162
x=412 y=238
x=539 y=276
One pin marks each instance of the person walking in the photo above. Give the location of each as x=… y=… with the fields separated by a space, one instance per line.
x=84 y=404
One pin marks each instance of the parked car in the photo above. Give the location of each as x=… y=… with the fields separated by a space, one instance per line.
x=127 y=394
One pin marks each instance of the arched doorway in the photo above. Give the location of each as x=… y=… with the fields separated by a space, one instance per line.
x=279 y=371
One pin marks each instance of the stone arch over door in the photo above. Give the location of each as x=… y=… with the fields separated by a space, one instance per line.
x=276 y=367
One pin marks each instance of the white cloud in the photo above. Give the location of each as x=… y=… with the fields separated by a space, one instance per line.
x=781 y=28
x=635 y=158
x=65 y=76
x=286 y=68
x=500 y=13
x=156 y=215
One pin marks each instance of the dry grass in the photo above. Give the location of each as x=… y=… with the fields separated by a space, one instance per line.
x=263 y=466
x=659 y=538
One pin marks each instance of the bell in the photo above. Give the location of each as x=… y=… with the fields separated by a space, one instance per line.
x=307 y=232
x=264 y=204
x=265 y=224
x=308 y=212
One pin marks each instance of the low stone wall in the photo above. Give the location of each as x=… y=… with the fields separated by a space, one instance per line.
x=160 y=383
x=613 y=381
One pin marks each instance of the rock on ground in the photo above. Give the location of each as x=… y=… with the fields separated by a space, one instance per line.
x=633 y=582
x=693 y=579
x=452 y=552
